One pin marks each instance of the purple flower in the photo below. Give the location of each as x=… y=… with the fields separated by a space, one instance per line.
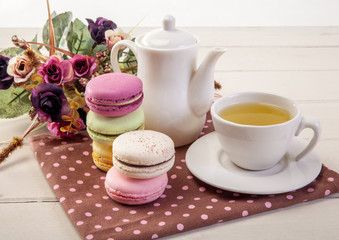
x=55 y=70
x=49 y=102
x=84 y=66
x=98 y=28
x=5 y=79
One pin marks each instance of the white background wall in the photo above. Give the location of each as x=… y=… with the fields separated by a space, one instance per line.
x=33 y=13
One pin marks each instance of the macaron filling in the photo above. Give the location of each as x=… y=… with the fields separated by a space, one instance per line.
x=117 y=102
x=142 y=165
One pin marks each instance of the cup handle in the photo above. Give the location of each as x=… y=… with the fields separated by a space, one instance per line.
x=115 y=50
x=309 y=122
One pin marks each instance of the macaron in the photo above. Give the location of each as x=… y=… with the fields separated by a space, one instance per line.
x=143 y=154
x=104 y=130
x=102 y=156
x=132 y=191
x=114 y=94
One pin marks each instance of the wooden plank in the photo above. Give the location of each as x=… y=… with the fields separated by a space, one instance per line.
x=226 y=36
x=302 y=86
x=276 y=59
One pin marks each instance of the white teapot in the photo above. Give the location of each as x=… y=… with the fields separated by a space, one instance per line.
x=177 y=95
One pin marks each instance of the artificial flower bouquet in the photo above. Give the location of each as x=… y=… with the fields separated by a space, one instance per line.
x=51 y=88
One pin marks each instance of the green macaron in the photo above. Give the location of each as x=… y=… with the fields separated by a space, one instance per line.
x=105 y=129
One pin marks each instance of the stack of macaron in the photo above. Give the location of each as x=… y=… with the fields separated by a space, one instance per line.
x=141 y=161
x=114 y=101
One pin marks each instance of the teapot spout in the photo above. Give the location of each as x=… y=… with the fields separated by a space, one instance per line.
x=201 y=88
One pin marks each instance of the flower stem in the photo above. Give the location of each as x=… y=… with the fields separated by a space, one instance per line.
x=17 y=96
x=92 y=48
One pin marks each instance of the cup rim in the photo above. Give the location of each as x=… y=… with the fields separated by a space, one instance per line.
x=215 y=115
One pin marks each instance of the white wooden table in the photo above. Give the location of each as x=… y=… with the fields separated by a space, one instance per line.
x=298 y=62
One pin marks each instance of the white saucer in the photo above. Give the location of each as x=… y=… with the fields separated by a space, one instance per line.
x=208 y=162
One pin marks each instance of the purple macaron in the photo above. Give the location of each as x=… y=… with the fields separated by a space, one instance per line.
x=114 y=94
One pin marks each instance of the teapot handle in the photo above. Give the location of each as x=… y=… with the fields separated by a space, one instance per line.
x=115 y=50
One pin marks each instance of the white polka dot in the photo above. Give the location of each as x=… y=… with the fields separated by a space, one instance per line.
x=89 y=237
x=143 y=222
x=197 y=198
x=79 y=223
x=132 y=212
x=250 y=201
x=89 y=194
x=87 y=174
x=96 y=186
x=191 y=206
x=310 y=190
x=79 y=201
x=180 y=226
x=204 y=217
x=244 y=213
x=173 y=176
x=63 y=177
x=86 y=153
x=163 y=196
x=105 y=197
x=98 y=205
x=70 y=149
x=63 y=142
x=42 y=164
x=118 y=229
x=70 y=211
x=72 y=169
x=78 y=161
x=214 y=200
x=228 y=208
x=48 y=153
x=88 y=214
x=63 y=157
x=180 y=197
x=85 y=138
x=185 y=188
x=136 y=232
x=289 y=197
x=41 y=144
x=108 y=218
x=62 y=199
x=94 y=167
x=125 y=220
x=115 y=209
x=268 y=204
x=56 y=164
x=186 y=215
x=178 y=167
x=161 y=223
x=97 y=226
x=80 y=182
x=202 y=189
x=72 y=190
x=150 y=213
x=209 y=207
x=154 y=236
x=56 y=186
x=189 y=177
x=48 y=175
x=169 y=186
x=174 y=205
x=327 y=192
x=330 y=179
x=156 y=204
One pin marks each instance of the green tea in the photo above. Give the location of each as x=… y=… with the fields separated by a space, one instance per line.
x=253 y=113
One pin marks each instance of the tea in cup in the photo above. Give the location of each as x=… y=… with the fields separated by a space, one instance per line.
x=255 y=129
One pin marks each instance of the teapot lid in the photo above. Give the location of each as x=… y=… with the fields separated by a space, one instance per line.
x=168 y=37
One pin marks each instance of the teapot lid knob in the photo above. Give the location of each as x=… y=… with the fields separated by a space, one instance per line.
x=168 y=23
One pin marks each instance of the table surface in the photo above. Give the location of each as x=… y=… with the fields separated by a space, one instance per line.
x=299 y=62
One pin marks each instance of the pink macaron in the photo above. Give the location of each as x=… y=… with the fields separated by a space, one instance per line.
x=114 y=94
x=132 y=191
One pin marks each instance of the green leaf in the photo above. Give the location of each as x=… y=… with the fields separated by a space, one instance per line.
x=11 y=52
x=78 y=38
x=60 y=25
x=16 y=108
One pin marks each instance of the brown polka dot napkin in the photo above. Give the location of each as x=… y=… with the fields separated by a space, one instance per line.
x=186 y=204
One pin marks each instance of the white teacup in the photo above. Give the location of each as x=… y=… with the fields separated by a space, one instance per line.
x=261 y=147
